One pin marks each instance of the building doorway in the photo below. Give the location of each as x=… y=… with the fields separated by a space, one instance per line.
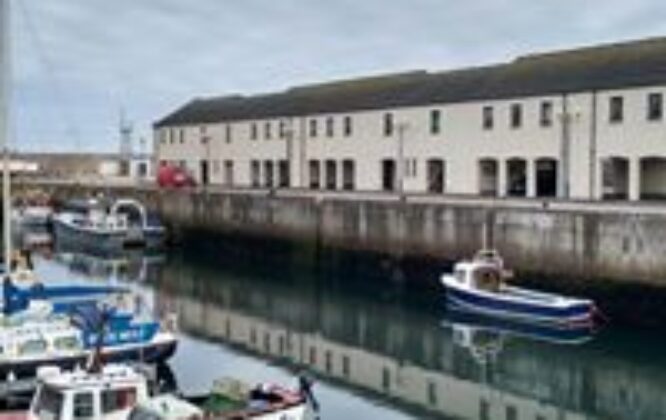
x=546 y=177
x=516 y=171
x=488 y=177
x=204 y=172
x=653 y=178
x=615 y=178
x=331 y=175
x=283 y=174
x=348 y=175
x=388 y=175
x=436 y=172
x=268 y=174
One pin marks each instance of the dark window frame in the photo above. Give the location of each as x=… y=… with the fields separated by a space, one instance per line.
x=616 y=109
x=389 y=124
x=348 y=126
x=435 y=121
x=312 y=129
x=546 y=114
x=516 y=116
x=488 y=117
x=655 y=103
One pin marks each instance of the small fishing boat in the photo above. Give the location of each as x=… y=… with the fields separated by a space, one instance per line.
x=68 y=340
x=122 y=391
x=234 y=399
x=32 y=214
x=108 y=226
x=480 y=286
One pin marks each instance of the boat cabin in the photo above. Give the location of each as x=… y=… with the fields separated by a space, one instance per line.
x=485 y=272
x=108 y=394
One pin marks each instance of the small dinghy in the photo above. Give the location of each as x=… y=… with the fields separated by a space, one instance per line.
x=480 y=286
x=233 y=399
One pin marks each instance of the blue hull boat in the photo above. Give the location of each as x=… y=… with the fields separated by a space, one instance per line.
x=479 y=286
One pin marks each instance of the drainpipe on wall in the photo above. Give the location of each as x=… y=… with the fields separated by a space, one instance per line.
x=593 y=148
x=564 y=148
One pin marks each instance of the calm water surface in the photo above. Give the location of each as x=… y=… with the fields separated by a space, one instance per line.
x=377 y=348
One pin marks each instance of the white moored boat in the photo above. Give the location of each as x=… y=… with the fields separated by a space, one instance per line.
x=479 y=286
x=117 y=225
x=123 y=392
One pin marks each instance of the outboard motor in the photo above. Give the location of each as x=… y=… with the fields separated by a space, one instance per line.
x=305 y=386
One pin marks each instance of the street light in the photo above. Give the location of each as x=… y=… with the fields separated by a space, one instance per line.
x=567 y=117
x=288 y=134
x=402 y=128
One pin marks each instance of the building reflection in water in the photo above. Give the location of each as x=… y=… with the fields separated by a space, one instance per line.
x=410 y=357
x=460 y=367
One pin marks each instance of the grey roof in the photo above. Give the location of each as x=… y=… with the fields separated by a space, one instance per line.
x=622 y=65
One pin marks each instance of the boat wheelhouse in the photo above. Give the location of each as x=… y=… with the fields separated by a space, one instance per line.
x=110 y=393
x=479 y=285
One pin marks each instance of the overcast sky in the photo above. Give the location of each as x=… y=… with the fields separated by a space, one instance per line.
x=79 y=62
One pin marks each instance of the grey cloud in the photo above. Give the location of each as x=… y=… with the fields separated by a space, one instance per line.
x=149 y=56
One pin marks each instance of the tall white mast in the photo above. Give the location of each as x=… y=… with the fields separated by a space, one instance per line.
x=5 y=99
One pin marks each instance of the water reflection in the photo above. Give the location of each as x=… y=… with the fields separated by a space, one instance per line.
x=405 y=355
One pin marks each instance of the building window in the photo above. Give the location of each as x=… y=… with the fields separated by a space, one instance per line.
x=516 y=115
x=163 y=136
x=348 y=174
x=313 y=128
x=348 y=126
x=202 y=130
x=228 y=135
x=282 y=129
x=267 y=130
x=435 y=121
x=655 y=106
x=255 y=173
x=488 y=120
x=254 y=131
x=172 y=136
x=314 y=174
x=616 y=109
x=546 y=114
x=388 y=124
x=182 y=136
x=330 y=127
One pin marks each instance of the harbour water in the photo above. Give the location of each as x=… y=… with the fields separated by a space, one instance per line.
x=377 y=346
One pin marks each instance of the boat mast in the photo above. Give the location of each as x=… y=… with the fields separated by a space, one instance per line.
x=5 y=99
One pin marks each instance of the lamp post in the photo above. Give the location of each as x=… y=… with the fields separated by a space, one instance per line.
x=567 y=118
x=288 y=134
x=402 y=128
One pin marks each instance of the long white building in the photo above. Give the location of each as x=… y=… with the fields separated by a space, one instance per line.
x=584 y=124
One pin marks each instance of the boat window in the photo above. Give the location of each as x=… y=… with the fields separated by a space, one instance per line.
x=67 y=343
x=460 y=276
x=118 y=399
x=83 y=405
x=48 y=404
x=487 y=279
x=33 y=346
x=139 y=413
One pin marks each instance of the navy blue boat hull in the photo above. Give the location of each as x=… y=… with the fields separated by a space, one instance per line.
x=571 y=314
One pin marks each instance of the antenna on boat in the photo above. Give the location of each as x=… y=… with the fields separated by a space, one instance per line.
x=5 y=98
